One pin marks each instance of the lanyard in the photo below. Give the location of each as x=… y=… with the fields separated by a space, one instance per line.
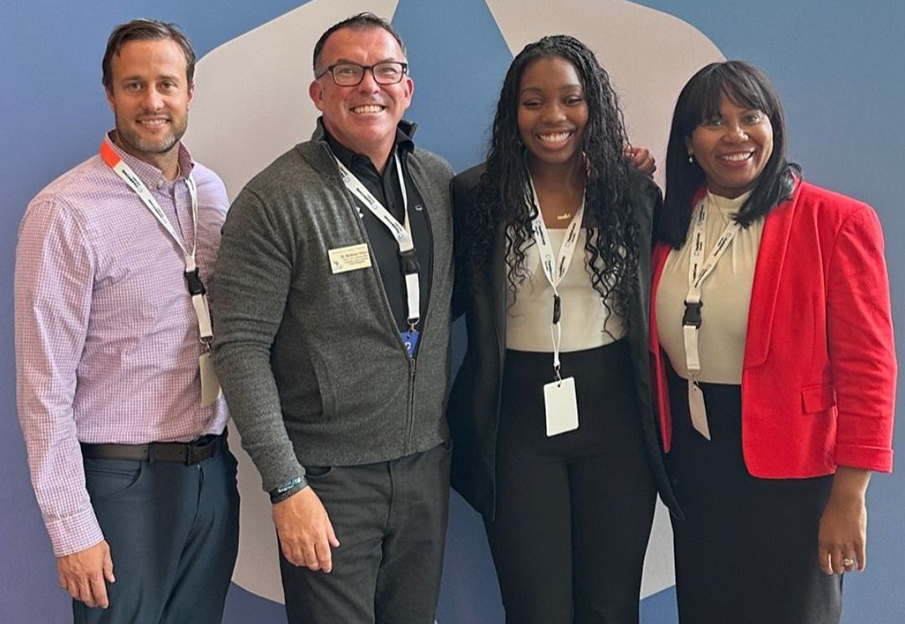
x=555 y=268
x=401 y=232
x=698 y=271
x=192 y=276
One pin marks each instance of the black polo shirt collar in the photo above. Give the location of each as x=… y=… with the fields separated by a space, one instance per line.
x=355 y=162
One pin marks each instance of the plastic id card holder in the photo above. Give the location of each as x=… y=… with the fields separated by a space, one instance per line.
x=210 y=386
x=561 y=406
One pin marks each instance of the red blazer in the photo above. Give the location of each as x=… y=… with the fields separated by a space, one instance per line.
x=819 y=370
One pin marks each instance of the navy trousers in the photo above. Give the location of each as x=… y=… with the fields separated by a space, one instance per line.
x=173 y=532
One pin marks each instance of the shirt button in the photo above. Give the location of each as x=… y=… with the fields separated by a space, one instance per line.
x=160 y=184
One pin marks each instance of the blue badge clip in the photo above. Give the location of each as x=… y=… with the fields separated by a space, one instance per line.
x=410 y=340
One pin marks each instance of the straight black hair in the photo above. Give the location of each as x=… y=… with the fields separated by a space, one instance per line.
x=699 y=100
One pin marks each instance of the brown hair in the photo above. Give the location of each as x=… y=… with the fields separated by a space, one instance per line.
x=146 y=30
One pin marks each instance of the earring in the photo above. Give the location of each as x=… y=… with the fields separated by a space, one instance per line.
x=691 y=158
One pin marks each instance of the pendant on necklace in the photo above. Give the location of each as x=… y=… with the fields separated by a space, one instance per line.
x=564 y=216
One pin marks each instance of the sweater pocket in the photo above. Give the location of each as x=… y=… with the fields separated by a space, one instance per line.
x=324 y=386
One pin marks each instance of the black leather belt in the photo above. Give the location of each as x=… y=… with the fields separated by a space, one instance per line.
x=187 y=453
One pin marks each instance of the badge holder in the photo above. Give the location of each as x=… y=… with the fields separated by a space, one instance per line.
x=210 y=386
x=561 y=406
x=560 y=400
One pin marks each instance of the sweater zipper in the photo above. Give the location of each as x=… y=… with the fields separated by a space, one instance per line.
x=411 y=415
x=412 y=361
x=429 y=271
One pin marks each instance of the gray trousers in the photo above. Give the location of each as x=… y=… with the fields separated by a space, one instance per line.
x=390 y=518
x=173 y=532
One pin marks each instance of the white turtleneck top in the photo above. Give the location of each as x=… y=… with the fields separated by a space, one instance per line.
x=726 y=295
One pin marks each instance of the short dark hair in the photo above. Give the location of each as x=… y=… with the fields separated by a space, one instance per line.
x=699 y=100
x=146 y=30
x=361 y=21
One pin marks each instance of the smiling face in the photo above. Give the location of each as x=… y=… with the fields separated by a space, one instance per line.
x=732 y=148
x=362 y=118
x=552 y=111
x=150 y=97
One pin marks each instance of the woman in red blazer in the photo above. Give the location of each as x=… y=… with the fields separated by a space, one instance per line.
x=774 y=365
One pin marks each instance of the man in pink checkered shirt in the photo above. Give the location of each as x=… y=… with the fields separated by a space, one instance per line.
x=122 y=417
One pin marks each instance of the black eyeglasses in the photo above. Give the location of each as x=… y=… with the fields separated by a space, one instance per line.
x=351 y=74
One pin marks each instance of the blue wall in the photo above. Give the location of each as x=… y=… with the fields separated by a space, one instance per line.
x=839 y=66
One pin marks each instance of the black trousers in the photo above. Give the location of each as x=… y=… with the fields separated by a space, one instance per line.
x=746 y=552
x=390 y=519
x=173 y=532
x=573 y=511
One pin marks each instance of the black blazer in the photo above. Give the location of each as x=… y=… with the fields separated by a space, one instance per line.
x=475 y=399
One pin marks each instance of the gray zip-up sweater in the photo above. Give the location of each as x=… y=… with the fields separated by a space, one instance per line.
x=311 y=362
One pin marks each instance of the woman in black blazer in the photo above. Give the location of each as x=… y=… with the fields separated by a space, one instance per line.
x=568 y=510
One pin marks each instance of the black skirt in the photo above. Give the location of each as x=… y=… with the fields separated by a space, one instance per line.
x=747 y=549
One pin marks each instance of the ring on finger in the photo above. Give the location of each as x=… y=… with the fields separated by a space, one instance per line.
x=848 y=562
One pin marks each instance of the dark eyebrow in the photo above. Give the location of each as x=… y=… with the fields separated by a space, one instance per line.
x=345 y=61
x=568 y=87
x=170 y=77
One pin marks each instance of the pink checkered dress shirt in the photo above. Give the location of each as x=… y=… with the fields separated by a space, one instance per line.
x=106 y=337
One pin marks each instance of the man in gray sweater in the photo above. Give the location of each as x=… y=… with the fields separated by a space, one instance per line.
x=331 y=305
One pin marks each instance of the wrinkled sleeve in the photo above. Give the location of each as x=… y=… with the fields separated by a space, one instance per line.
x=862 y=351
x=53 y=291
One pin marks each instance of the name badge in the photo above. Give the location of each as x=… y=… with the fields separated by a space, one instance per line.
x=698 y=409
x=561 y=406
x=350 y=258
x=210 y=385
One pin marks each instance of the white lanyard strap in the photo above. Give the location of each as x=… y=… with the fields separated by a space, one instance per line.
x=555 y=266
x=401 y=232
x=698 y=271
x=192 y=276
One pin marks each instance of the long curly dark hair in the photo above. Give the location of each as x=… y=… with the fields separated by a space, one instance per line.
x=503 y=198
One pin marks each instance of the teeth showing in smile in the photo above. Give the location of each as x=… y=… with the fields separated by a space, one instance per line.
x=737 y=157
x=558 y=137
x=364 y=110
x=152 y=122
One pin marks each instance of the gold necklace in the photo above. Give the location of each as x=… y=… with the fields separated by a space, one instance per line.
x=564 y=216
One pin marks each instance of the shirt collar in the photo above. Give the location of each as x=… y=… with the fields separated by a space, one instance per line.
x=403 y=142
x=151 y=176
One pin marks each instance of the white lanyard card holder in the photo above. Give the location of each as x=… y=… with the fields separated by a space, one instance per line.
x=561 y=406
x=210 y=386
x=402 y=233
x=698 y=272
x=560 y=399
